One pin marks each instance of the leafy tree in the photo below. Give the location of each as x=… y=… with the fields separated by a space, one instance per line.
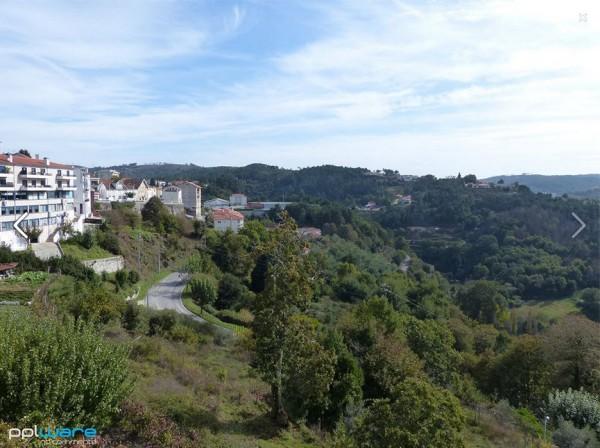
x=434 y=344
x=483 y=300
x=522 y=374
x=345 y=390
x=286 y=292
x=231 y=292
x=41 y=369
x=389 y=362
x=203 y=290
x=308 y=370
x=417 y=415
x=573 y=346
x=158 y=216
x=590 y=303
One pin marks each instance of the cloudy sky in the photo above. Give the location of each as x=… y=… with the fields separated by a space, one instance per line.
x=490 y=87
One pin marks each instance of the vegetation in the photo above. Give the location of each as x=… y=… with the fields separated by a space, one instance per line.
x=462 y=319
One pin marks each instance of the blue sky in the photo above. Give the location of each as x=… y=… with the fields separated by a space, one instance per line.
x=490 y=87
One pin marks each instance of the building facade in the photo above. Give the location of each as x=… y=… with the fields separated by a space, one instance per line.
x=191 y=194
x=37 y=198
x=216 y=203
x=238 y=200
x=227 y=219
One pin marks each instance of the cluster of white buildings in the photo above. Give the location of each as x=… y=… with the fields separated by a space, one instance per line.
x=38 y=198
x=238 y=203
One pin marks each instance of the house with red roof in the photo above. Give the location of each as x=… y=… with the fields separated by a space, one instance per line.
x=227 y=219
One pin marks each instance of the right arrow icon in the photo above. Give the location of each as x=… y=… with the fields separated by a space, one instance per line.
x=583 y=226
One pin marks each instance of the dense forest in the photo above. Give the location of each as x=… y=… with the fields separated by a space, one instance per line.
x=421 y=324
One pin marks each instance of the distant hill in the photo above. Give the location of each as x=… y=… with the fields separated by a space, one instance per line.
x=581 y=185
x=353 y=186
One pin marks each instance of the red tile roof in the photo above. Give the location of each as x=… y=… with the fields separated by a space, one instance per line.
x=227 y=214
x=8 y=266
x=23 y=160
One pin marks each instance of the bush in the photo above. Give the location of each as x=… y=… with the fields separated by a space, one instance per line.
x=108 y=241
x=121 y=278
x=577 y=406
x=242 y=317
x=133 y=277
x=161 y=324
x=41 y=367
x=569 y=436
x=131 y=317
x=231 y=293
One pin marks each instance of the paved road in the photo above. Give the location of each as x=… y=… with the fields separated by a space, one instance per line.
x=166 y=295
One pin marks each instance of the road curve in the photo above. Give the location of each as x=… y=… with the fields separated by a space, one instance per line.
x=166 y=295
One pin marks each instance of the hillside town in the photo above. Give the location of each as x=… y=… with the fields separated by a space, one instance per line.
x=42 y=198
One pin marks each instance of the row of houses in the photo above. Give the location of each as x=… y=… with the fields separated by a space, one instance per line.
x=39 y=197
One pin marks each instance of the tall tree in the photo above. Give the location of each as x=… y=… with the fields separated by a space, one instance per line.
x=286 y=293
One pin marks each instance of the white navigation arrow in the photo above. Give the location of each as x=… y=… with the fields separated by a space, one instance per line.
x=583 y=226
x=17 y=222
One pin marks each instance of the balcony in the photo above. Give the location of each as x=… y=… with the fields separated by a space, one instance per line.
x=36 y=175
x=36 y=188
x=66 y=176
x=66 y=188
x=7 y=186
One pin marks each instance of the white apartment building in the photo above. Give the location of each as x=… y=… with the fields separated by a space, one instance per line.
x=191 y=195
x=171 y=195
x=238 y=200
x=39 y=194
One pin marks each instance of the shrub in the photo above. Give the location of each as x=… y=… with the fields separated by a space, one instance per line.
x=578 y=406
x=569 y=436
x=161 y=323
x=133 y=277
x=41 y=369
x=121 y=278
x=131 y=317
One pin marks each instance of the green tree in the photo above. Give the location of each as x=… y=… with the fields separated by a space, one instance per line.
x=286 y=293
x=522 y=374
x=42 y=367
x=231 y=292
x=203 y=290
x=345 y=390
x=308 y=370
x=573 y=346
x=590 y=303
x=483 y=300
x=417 y=415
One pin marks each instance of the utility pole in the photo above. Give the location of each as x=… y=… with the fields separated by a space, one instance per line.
x=159 y=247
x=140 y=253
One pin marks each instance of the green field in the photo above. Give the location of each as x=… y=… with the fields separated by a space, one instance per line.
x=81 y=253
x=548 y=310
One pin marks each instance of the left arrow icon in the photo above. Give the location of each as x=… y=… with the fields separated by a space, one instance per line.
x=18 y=228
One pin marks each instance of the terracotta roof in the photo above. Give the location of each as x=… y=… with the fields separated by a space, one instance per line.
x=8 y=266
x=227 y=214
x=23 y=160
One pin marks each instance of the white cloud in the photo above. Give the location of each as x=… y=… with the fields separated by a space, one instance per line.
x=423 y=87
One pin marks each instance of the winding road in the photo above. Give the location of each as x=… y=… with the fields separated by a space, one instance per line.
x=166 y=295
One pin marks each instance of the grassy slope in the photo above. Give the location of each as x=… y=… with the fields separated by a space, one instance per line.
x=82 y=253
x=210 y=389
x=548 y=310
